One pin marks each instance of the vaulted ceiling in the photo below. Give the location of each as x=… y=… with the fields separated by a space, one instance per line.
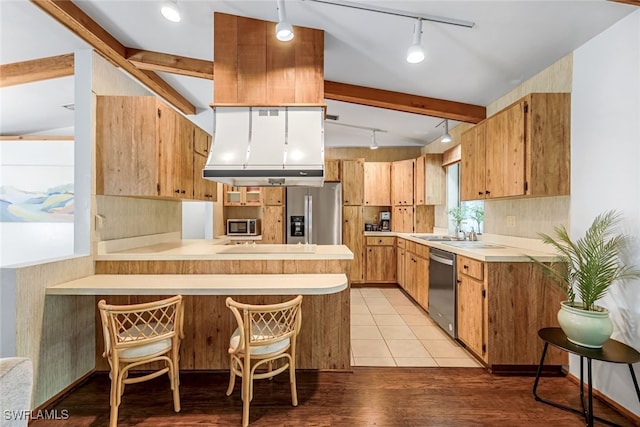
x=465 y=69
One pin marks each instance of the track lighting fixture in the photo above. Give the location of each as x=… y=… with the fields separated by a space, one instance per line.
x=445 y=136
x=415 y=54
x=374 y=143
x=171 y=10
x=284 y=30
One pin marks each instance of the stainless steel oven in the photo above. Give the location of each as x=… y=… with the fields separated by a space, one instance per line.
x=442 y=289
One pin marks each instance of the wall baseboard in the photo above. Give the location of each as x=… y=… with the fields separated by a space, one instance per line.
x=65 y=391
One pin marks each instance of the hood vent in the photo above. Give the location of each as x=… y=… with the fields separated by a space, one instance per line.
x=267 y=146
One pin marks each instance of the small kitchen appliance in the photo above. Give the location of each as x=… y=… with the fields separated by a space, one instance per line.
x=385 y=221
x=243 y=227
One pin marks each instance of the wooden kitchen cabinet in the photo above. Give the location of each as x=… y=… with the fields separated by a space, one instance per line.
x=380 y=260
x=402 y=182
x=201 y=142
x=400 y=262
x=203 y=189
x=242 y=196
x=501 y=306
x=353 y=238
x=273 y=228
x=273 y=196
x=417 y=273
x=472 y=312
x=332 y=170
x=523 y=150
x=430 y=180
x=353 y=182
x=402 y=219
x=143 y=148
x=377 y=184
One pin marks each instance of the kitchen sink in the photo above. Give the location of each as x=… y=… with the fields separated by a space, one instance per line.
x=472 y=244
x=435 y=238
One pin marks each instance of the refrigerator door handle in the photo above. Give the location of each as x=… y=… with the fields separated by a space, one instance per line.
x=309 y=216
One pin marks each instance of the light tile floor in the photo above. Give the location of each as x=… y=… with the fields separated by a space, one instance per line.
x=389 y=329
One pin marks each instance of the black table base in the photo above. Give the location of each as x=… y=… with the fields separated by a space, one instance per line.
x=612 y=351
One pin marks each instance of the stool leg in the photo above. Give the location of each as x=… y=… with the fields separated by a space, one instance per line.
x=635 y=381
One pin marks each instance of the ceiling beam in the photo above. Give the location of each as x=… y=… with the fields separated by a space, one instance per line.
x=72 y=17
x=36 y=70
x=157 y=61
x=631 y=2
x=404 y=102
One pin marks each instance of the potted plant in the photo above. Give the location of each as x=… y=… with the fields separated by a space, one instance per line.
x=591 y=265
x=458 y=215
x=477 y=214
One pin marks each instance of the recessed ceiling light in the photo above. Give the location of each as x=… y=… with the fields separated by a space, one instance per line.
x=171 y=11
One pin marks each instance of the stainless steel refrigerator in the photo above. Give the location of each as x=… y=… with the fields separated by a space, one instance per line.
x=314 y=214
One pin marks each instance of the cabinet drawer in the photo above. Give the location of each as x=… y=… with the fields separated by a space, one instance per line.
x=381 y=241
x=411 y=246
x=471 y=267
x=401 y=243
x=422 y=250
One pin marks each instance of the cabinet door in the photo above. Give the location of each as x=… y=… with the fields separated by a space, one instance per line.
x=402 y=182
x=435 y=190
x=273 y=224
x=411 y=271
x=422 y=281
x=402 y=219
x=471 y=314
x=505 y=152
x=233 y=196
x=175 y=162
x=273 y=196
x=203 y=189
x=252 y=196
x=419 y=181
x=353 y=238
x=472 y=169
x=353 y=182
x=332 y=170
x=377 y=184
x=400 y=266
x=381 y=264
x=126 y=146
x=201 y=141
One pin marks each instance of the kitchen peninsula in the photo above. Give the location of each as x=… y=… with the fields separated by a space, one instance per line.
x=207 y=272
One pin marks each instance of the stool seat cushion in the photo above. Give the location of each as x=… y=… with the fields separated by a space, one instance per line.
x=263 y=349
x=134 y=333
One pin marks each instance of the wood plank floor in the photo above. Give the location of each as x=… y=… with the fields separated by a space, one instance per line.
x=367 y=397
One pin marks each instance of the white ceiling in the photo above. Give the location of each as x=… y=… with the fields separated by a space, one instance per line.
x=510 y=42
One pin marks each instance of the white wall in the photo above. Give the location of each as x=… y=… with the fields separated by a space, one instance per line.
x=605 y=173
x=197 y=220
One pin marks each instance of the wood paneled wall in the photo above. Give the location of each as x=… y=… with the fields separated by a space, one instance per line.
x=380 y=155
x=251 y=66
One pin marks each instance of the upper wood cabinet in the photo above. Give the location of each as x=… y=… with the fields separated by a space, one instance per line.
x=353 y=182
x=332 y=170
x=522 y=150
x=377 y=184
x=203 y=189
x=242 y=196
x=143 y=148
x=201 y=142
x=430 y=181
x=402 y=219
x=402 y=182
x=273 y=196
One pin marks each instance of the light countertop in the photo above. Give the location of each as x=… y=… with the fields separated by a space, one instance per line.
x=216 y=250
x=203 y=284
x=504 y=248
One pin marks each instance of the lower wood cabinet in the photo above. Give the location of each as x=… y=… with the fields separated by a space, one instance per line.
x=417 y=273
x=353 y=238
x=400 y=262
x=501 y=307
x=380 y=260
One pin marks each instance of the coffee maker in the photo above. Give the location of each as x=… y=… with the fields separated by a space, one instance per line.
x=385 y=221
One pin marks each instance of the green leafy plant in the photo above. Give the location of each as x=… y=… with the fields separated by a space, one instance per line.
x=591 y=263
x=477 y=214
x=458 y=215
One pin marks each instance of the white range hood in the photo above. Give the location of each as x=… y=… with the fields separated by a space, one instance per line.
x=267 y=146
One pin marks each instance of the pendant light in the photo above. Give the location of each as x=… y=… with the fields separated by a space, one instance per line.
x=374 y=143
x=284 y=30
x=415 y=54
x=445 y=136
x=171 y=11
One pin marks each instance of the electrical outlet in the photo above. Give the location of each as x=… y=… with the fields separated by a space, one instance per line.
x=511 y=221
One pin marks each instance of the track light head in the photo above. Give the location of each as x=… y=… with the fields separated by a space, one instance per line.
x=284 y=30
x=415 y=54
x=445 y=136
x=171 y=11
x=374 y=143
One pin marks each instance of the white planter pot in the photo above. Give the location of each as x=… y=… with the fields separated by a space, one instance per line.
x=586 y=328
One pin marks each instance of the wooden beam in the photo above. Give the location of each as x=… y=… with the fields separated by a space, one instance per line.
x=72 y=17
x=404 y=102
x=37 y=138
x=631 y=2
x=36 y=70
x=157 y=61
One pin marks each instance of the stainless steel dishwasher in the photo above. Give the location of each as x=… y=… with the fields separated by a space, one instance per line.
x=442 y=289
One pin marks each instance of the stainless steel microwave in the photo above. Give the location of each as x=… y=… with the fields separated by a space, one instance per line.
x=243 y=227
